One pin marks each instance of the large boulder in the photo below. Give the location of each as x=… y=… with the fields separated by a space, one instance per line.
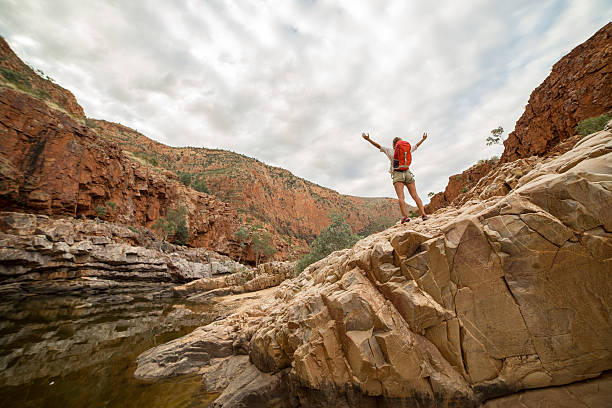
x=501 y=295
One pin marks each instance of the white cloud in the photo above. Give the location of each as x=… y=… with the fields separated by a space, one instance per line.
x=294 y=83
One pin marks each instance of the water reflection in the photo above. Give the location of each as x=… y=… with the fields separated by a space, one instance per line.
x=68 y=351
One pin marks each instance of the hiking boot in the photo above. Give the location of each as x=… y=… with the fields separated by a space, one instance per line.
x=424 y=217
x=405 y=219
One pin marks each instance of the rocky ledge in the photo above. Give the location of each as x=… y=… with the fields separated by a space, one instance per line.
x=501 y=295
x=42 y=255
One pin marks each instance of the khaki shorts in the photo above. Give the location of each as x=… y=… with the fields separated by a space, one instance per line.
x=405 y=177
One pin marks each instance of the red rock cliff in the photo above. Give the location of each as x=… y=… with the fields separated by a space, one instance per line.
x=52 y=164
x=579 y=87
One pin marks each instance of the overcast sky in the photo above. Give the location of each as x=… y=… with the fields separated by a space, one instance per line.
x=293 y=83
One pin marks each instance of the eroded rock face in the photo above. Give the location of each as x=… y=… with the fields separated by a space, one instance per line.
x=504 y=294
x=51 y=164
x=243 y=280
x=16 y=74
x=577 y=88
x=42 y=255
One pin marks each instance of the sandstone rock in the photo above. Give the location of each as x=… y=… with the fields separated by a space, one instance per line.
x=595 y=393
x=242 y=280
x=500 y=295
x=57 y=166
x=577 y=88
x=37 y=248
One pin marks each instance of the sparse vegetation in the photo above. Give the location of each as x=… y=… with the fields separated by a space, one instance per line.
x=495 y=137
x=377 y=225
x=200 y=186
x=100 y=211
x=262 y=245
x=242 y=235
x=174 y=223
x=592 y=125
x=111 y=205
x=430 y=194
x=413 y=214
x=133 y=229
x=186 y=178
x=464 y=190
x=336 y=236
x=492 y=160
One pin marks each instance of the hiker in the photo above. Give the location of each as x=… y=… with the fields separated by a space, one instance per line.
x=400 y=157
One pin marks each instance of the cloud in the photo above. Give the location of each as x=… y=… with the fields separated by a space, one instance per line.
x=294 y=83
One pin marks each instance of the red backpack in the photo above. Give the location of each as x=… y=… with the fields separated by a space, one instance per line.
x=402 y=157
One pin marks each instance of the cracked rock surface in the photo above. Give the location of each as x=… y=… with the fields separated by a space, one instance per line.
x=502 y=295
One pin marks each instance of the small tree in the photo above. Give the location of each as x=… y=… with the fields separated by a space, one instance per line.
x=100 y=211
x=336 y=236
x=173 y=223
x=200 y=186
x=430 y=194
x=495 y=137
x=242 y=235
x=262 y=245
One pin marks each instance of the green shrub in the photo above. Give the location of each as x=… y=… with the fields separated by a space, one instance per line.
x=100 y=211
x=262 y=245
x=464 y=190
x=336 y=236
x=186 y=178
x=174 y=223
x=495 y=137
x=112 y=205
x=200 y=186
x=592 y=125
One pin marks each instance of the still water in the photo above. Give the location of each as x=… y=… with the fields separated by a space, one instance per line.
x=67 y=351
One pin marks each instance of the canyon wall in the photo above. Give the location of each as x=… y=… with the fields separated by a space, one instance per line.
x=52 y=164
x=578 y=87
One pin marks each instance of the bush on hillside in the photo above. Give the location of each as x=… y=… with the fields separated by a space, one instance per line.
x=186 y=178
x=174 y=223
x=592 y=125
x=200 y=186
x=336 y=236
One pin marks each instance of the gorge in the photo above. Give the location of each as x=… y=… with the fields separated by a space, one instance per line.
x=500 y=299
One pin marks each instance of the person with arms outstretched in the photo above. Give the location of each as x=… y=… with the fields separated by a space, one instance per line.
x=400 y=156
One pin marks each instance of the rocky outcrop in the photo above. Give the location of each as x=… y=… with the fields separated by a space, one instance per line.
x=40 y=255
x=50 y=164
x=502 y=295
x=243 y=280
x=17 y=75
x=458 y=185
x=577 y=88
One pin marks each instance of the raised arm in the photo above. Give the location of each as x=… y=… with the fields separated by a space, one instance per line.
x=367 y=137
x=422 y=140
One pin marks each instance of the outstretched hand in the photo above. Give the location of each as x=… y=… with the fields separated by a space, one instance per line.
x=366 y=136
x=424 y=135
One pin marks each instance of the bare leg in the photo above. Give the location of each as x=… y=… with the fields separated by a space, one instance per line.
x=399 y=190
x=415 y=197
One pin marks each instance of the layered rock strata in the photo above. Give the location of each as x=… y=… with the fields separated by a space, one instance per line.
x=42 y=255
x=265 y=276
x=502 y=295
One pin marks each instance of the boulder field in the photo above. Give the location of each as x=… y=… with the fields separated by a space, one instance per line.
x=502 y=301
